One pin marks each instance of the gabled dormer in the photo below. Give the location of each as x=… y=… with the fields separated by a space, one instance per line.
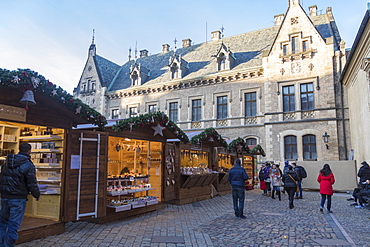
x=225 y=58
x=178 y=67
x=138 y=74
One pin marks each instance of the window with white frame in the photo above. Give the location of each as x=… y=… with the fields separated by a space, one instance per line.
x=288 y=98
x=196 y=110
x=290 y=147
x=133 y=111
x=115 y=113
x=174 y=111
x=295 y=45
x=250 y=101
x=221 y=107
x=152 y=108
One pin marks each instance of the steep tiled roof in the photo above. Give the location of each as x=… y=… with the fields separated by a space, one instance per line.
x=246 y=48
x=106 y=69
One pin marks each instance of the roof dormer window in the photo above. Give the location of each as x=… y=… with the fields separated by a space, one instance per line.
x=138 y=74
x=135 y=79
x=222 y=62
x=175 y=71
x=178 y=67
x=225 y=58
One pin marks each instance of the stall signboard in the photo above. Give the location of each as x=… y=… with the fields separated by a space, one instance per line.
x=196 y=146
x=12 y=113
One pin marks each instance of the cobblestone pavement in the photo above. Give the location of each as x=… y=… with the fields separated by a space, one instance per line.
x=212 y=222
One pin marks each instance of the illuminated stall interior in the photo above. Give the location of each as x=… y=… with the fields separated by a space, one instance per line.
x=47 y=155
x=134 y=166
x=194 y=162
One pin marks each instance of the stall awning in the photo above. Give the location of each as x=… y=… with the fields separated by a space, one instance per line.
x=211 y=136
x=52 y=102
x=240 y=146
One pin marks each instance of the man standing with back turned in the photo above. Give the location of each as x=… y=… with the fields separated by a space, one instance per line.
x=237 y=177
x=17 y=179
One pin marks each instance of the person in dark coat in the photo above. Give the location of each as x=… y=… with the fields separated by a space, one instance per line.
x=290 y=179
x=17 y=180
x=363 y=175
x=326 y=180
x=237 y=177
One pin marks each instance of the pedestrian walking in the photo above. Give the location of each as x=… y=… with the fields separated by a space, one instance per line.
x=301 y=172
x=275 y=175
x=326 y=180
x=290 y=178
x=17 y=179
x=261 y=177
x=237 y=177
x=267 y=178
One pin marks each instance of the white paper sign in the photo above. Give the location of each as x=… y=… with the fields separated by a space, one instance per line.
x=75 y=162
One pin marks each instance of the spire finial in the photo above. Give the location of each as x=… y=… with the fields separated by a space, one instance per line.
x=222 y=31
x=129 y=54
x=93 y=37
x=175 y=41
x=136 y=51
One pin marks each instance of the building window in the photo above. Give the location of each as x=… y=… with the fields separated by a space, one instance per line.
x=174 y=111
x=92 y=86
x=251 y=141
x=285 y=50
x=309 y=147
x=250 y=104
x=305 y=46
x=84 y=88
x=222 y=62
x=175 y=71
x=307 y=102
x=290 y=147
x=88 y=85
x=152 y=108
x=115 y=113
x=135 y=78
x=133 y=111
x=294 y=45
x=221 y=107
x=196 y=110
x=288 y=98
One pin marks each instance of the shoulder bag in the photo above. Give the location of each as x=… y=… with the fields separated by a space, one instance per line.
x=296 y=188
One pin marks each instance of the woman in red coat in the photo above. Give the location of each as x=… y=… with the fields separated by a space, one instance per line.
x=326 y=180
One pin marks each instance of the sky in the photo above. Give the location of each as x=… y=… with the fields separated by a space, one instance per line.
x=52 y=37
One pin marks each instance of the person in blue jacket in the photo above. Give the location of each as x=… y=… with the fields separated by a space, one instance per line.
x=237 y=177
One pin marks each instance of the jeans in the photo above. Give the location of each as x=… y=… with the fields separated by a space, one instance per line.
x=11 y=216
x=290 y=191
x=300 y=189
x=323 y=198
x=238 y=200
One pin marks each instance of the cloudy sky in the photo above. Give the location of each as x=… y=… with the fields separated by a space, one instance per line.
x=52 y=37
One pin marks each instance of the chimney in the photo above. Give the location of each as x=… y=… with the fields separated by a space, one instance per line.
x=216 y=35
x=186 y=42
x=279 y=19
x=144 y=53
x=313 y=10
x=166 y=48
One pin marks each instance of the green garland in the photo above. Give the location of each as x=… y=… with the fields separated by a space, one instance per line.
x=258 y=150
x=233 y=146
x=26 y=79
x=209 y=132
x=149 y=119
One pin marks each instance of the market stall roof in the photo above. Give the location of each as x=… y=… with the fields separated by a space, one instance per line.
x=239 y=145
x=210 y=135
x=53 y=104
x=156 y=125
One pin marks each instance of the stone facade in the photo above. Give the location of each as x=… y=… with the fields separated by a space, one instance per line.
x=356 y=81
x=297 y=61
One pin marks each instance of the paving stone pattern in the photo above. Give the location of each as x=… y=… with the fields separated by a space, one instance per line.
x=212 y=222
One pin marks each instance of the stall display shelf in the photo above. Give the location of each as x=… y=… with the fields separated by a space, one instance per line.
x=124 y=179
x=41 y=137
x=46 y=180
x=127 y=191
x=45 y=150
x=120 y=208
x=2 y=158
x=47 y=165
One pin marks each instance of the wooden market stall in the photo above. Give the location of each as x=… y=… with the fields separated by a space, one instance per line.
x=194 y=173
x=36 y=111
x=138 y=175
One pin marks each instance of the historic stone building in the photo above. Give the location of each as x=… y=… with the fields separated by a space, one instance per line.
x=356 y=80
x=277 y=86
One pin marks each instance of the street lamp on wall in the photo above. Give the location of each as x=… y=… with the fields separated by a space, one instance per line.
x=326 y=139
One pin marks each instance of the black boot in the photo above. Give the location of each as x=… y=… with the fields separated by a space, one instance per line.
x=273 y=194
x=279 y=195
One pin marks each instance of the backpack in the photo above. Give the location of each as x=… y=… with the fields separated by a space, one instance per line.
x=302 y=172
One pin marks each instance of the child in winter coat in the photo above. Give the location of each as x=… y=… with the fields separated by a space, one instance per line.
x=326 y=180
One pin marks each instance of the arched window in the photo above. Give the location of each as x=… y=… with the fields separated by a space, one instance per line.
x=135 y=78
x=309 y=147
x=290 y=147
x=175 y=71
x=251 y=141
x=222 y=61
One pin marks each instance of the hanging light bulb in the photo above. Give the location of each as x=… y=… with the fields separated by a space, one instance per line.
x=28 y=98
